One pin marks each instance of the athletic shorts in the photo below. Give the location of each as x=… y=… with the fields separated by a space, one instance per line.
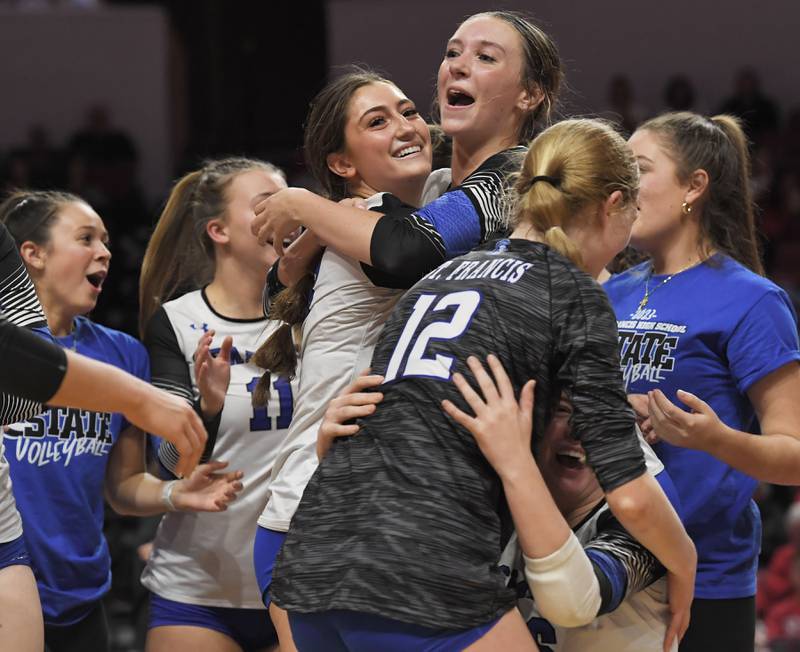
x=267 y=546
x=14 y=553
x=251 y=628
x=352 y=631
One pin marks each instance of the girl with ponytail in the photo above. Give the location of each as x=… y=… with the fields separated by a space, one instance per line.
x=202 y=320
x=709 y=355
x=396 y=542
x=364 y=139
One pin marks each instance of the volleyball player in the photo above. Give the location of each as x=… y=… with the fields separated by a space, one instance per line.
x=63 y=460
x=364 y=138
x=613 y=597
x=396 y=540
x=699 y=319
x=203 y=277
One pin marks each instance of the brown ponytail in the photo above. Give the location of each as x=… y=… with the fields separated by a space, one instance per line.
x=180 y=257
x=718 y=146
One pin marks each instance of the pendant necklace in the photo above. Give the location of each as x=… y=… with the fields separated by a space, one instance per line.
x=648 y=291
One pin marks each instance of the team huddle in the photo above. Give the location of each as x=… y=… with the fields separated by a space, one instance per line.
x=414 y=411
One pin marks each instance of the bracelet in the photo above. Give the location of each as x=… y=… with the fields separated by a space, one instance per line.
x=166 y=496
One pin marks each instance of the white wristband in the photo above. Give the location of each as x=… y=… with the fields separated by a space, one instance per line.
x=166 y=496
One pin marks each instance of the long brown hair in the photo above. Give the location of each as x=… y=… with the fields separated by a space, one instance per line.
x=718 y=146
x=324 y=135
x=180 y=255
x=569 y=166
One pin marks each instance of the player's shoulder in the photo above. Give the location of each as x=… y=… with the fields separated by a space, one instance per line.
x=104 y=333
x=189 y=305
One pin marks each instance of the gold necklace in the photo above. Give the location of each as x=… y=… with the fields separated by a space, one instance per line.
x=648 y=291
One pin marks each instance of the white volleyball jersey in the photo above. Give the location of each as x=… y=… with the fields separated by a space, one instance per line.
x=207 y=558
x=345 y=317
x=638 y=623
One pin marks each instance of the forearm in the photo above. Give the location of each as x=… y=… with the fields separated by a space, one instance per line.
x=98 y=387
x=643 y=509
x=773 y=458
x=345 y=228
x=298 y=259
x=140 y=494
x=540 y=526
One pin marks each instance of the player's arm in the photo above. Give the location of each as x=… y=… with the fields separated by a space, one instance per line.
x=403 y=243
x=586 y=335
x=296 y=262
x=132 y=491
x=170 y=373
x=762 y=356
x=560 y=575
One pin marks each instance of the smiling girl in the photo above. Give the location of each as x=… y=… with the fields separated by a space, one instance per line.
x=364 y=138
x=63 y=461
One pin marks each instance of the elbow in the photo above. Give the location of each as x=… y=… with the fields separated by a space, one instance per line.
x=116 y=503
x=566 y=613
x=632 y=508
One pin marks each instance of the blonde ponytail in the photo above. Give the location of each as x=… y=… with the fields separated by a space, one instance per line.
x=570 y=166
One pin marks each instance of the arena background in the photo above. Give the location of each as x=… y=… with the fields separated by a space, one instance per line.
x=114 y=99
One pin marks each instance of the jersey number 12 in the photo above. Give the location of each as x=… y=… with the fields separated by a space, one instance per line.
x=416 y=364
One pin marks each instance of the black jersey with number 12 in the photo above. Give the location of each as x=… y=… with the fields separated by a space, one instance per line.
x=407 y=519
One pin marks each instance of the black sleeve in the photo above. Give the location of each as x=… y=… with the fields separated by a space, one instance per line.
x=623 y=566
x=170 y=372
x=404 y=247
x=589 y=373
x=33 y=370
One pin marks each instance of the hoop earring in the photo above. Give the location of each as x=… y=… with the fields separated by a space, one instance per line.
x=686 y=208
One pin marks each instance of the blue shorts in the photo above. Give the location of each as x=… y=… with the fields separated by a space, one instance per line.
x=352 y=631
x=251 y=628
x=265 y=551
x=13 y=553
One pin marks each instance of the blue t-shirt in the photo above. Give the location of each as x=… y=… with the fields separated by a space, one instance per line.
x=58 y=465
x=713 y=330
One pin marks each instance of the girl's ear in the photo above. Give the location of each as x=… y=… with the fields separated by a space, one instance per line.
x=33 y=255
x=698 y=182
x=341 y=166
x=530 y=98
x=217 y=230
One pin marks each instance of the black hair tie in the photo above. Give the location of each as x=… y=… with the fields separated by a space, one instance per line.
x=553 y=181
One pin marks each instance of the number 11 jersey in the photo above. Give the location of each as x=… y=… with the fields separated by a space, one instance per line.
x=407 y=519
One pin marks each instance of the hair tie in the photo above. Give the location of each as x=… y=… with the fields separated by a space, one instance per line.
x=553 y=181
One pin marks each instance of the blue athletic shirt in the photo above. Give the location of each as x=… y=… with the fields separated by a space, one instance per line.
x=58 y=465
x=713 y=330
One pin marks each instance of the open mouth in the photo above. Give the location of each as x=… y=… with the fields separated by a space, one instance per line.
x=459 y=98
x=407 y=151
x=96 y=279
x=571 y=459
